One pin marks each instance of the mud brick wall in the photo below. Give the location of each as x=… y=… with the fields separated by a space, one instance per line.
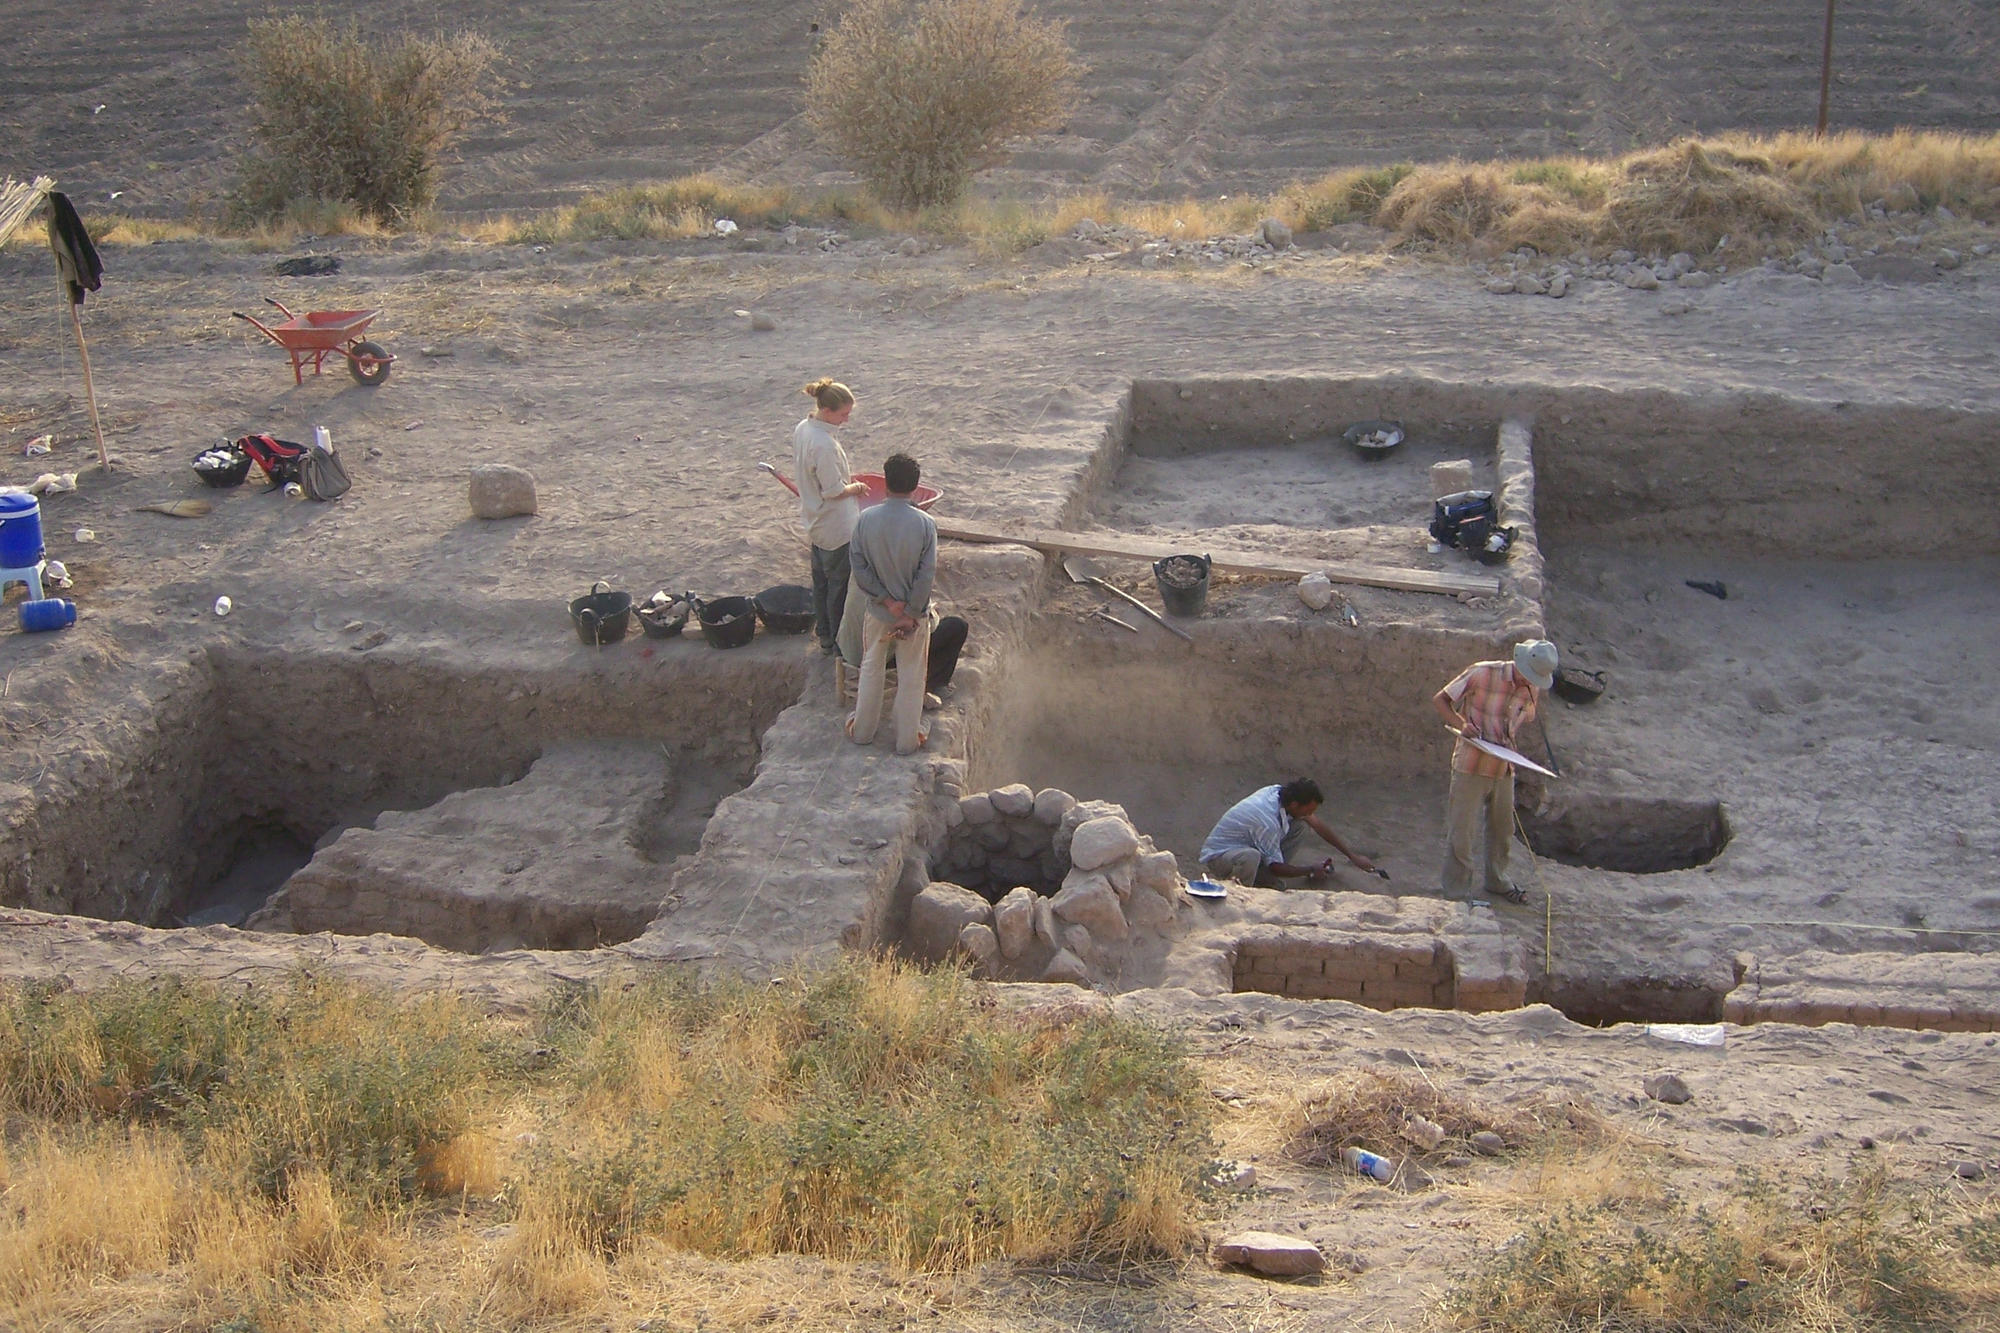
x=1382 y=973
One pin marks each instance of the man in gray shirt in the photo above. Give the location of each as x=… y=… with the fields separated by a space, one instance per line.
x=894 y=557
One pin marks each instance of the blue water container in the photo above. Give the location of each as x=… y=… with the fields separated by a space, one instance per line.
x=20 y=532
x=48 y=613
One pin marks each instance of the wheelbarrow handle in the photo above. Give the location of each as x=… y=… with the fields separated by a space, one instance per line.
x=281 y=307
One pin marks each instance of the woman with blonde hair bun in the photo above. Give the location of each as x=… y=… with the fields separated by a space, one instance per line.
x=829 y=502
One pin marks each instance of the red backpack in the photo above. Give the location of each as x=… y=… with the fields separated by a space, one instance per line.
x=279 y=458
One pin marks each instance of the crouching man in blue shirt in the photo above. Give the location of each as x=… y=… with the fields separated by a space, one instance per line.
x=1255 y=840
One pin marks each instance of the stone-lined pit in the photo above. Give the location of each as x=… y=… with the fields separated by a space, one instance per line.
x=1638 y=835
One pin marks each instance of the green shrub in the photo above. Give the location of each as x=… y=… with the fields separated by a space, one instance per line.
x=342 y=119
x=919 y=94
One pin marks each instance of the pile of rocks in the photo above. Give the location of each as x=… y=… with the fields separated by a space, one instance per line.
x=1109 y=888
x=1271 y=240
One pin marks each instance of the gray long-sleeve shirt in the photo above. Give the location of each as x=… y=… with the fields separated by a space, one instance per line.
x=894 y=555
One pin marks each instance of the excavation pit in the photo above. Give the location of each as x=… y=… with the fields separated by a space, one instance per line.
x=1637 y=835
x=478 y=810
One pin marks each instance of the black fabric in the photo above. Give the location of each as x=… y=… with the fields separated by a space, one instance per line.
x=947 y=642
x=76 y=257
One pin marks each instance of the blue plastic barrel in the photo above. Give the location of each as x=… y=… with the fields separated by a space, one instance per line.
x=47 y=614
x=20 y=532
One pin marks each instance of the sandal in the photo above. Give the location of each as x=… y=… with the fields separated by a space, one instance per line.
x=1513 y=893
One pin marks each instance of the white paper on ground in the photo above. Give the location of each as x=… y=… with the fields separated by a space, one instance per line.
x=1690 y=1034
x=1514 y=757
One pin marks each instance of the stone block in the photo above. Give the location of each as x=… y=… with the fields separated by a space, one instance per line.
x=1014 y=922
x=1082 y=813
x=1051 y=804
x=977 y=809
x=993 y=837
x=1149 y=911
x=1160 y=872
x=1450 y=477
x=938 y=915
x=1013 y=799
x=1099 y=842
x=978 y=943
x=1068 y=968
x=1088 y=900
x=501 y=490
x=1045 y=922
x=1122 y=874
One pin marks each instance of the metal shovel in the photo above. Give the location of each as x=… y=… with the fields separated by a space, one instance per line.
x=1082 y=569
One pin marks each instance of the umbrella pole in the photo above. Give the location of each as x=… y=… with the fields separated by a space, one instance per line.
x=89 y=393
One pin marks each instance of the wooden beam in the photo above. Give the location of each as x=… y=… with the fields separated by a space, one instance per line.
x=1116 y=547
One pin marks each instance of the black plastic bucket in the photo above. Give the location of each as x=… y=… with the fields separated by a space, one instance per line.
x=786 y=608
x=665 y=620
x=601 y=615
x=1183 y=583
x=727 y=622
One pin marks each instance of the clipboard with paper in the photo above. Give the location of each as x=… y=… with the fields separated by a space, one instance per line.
x=1514 y=757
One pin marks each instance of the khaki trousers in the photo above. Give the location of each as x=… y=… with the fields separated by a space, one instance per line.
x=906 y=715
x=1472 y=797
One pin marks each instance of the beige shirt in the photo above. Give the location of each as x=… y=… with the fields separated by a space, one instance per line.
x=820 y=465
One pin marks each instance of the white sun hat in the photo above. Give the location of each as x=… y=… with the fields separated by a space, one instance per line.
x=1536 y=659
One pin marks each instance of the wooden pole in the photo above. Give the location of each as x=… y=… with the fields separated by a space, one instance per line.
x=1825 y=71
x=89 y=393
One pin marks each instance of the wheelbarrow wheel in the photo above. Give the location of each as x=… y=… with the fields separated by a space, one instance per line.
x=369 y=363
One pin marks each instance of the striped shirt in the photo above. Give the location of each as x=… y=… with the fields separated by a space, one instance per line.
x=1496 y=699
x=1258 y=820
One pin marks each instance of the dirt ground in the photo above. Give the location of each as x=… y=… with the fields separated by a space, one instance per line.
x=621 y=376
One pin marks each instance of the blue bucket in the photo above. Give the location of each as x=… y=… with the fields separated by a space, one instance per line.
x=20 y=532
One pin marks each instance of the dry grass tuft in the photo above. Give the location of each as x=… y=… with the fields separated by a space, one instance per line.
x=676 y=210
x=322 y=1155
x=1690 y=195
x=869 y=1112
x=1838 y=1257
x=1370 y=1108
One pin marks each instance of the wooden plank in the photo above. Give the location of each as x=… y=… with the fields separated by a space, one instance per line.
x=1115 y=547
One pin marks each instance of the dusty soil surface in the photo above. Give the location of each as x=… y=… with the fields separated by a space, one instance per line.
x=1848 y=722
x=1206 y=96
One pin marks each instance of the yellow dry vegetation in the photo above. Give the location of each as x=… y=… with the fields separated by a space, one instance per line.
x=323 y=1155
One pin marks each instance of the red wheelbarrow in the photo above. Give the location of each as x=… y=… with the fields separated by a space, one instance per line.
x=318 y=334
x=878 y=489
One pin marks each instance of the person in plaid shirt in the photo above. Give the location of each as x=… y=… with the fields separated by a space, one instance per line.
x=1489 y=701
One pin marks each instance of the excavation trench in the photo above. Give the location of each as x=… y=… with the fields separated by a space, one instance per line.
x=564 y=805
x=476 y=810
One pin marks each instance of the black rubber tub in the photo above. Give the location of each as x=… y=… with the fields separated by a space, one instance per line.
x=727 y=622
x=786 y=608
x=665 y=621
x=601 y=615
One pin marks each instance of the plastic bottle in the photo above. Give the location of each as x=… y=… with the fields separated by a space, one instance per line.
x=48 y=613
x=322 y=441
x=1368 y=1164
